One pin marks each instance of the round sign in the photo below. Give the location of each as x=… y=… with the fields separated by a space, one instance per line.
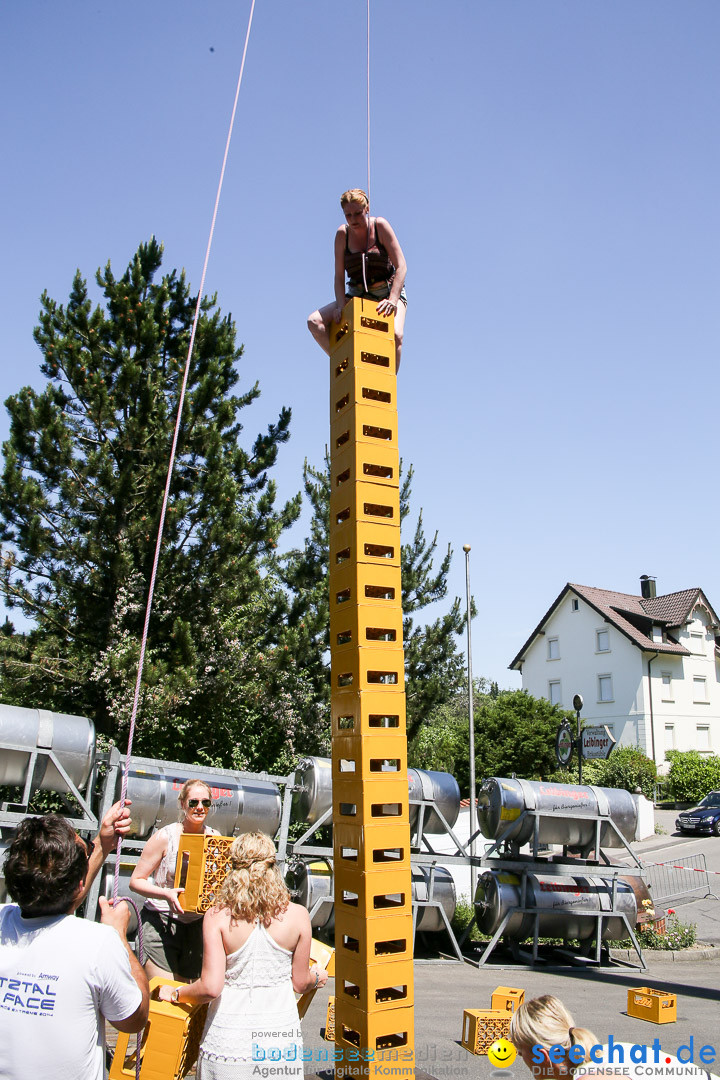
x=564 y=745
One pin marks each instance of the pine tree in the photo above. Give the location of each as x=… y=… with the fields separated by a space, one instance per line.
x=433 y=662
x=80 y=499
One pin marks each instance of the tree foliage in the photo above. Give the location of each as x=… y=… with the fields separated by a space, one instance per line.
x=80 y=499
x=692 y=774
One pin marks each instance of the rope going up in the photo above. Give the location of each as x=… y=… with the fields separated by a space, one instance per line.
x=171 y=463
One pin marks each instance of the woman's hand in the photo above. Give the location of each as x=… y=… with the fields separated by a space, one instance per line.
x=386 y=307
x=320 y=974
x=172 y=897
x=165 y=992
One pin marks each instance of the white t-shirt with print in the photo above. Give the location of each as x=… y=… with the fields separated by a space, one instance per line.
x=59 y=975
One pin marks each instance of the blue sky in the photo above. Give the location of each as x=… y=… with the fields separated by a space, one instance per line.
x=551 y=170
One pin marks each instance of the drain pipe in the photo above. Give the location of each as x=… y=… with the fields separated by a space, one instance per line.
x=652 y=715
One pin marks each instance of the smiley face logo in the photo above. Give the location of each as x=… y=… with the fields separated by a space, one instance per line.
x=501 y=1054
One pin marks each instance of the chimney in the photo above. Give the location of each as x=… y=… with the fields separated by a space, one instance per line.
x=647 y=587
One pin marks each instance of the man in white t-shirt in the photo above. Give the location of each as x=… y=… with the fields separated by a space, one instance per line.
x=61 y=977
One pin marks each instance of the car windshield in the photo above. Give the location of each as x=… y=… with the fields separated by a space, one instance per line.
x=713 y=799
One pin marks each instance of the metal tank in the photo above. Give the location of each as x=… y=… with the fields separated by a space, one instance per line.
x=570 y=808
x=71 y=738
x=429 y=919
x=440 y=788
x=312 y=880
x=239 y=805
x=313 y=793
x=562 y=899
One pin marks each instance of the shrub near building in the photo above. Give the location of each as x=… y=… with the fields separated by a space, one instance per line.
x=692 y=775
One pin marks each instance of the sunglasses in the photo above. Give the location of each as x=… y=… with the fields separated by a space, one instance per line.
x=89 y=845
x=193 y=803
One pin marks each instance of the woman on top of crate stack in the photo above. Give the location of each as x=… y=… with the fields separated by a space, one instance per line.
x=256 y=953
x=172 y=937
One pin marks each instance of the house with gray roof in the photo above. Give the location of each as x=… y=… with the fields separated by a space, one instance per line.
x=647 y=666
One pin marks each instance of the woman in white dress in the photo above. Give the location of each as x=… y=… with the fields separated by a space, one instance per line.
x=256 y=953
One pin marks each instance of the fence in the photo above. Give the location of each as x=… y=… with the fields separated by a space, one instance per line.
x=679 y=878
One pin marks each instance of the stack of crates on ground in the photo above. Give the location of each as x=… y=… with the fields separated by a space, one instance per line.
x=371 y=831
x=481 y=1027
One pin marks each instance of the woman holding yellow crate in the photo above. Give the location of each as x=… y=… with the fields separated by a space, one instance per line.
x=172 y=938
x=256 y=953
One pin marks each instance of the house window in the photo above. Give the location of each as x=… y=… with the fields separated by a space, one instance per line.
x=667 y=687
x=669 y=737
x=657 y=633
x=697 y=642
x=703 y=738
x=605 y=688
x=554 y=692
x=574 y=604
x=553 y=648
x=700 y=690
x=602 y=641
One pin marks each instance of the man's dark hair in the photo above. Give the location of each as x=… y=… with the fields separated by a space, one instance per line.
x=44 y=866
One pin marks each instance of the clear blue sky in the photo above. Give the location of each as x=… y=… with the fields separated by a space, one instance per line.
x=551 y=170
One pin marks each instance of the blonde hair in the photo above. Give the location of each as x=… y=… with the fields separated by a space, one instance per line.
x=544 y=1021
x=355 y=194
x=254 y=888
x=185 y=789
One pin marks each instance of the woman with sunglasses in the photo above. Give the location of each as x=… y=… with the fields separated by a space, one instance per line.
x=172 y=938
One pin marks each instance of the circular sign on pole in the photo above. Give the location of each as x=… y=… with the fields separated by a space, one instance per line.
x=564 y=745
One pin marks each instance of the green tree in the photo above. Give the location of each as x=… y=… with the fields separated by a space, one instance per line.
x=80 y=499
x=433 y=661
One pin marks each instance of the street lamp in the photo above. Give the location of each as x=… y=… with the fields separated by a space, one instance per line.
x=473 y=809
x=577 y=706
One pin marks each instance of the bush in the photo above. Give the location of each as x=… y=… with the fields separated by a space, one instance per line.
x=678 y=935
x=629 y=768
x=692 y=774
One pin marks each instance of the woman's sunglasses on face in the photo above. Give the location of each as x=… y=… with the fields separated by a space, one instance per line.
x=194 y=803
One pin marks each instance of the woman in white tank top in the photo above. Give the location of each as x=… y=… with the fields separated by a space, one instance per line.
x=256 y=953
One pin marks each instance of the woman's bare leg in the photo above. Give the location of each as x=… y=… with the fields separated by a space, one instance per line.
x=319 y=326
x=399 y=331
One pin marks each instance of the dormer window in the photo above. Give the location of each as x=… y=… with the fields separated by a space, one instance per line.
x=657 y=634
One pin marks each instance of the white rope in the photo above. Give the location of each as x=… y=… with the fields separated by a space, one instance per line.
x=171 y=464
x=368 y=101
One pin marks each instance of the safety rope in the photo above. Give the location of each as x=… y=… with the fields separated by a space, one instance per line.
x=171 y=464
x=368 y=100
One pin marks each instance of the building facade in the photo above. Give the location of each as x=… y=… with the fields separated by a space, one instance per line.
x=648 y=666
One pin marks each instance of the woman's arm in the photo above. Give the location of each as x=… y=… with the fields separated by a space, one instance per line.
x=211 y=981
x=304 y=977
x=389 y=241
x=339 y=279
x=152 y=856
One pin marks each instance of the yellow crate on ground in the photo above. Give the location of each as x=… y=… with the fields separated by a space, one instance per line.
x=203 y=863
x=481 y=1027
x=507 y=998
x=657 y=1006
x=170 y=1042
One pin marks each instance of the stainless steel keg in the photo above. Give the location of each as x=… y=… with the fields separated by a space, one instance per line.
x=566 y=812
x=71 y=738
x=239 y=805
x=563 y=900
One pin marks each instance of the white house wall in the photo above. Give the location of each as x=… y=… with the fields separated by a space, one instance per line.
x=681 y=720
x=581 y=664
